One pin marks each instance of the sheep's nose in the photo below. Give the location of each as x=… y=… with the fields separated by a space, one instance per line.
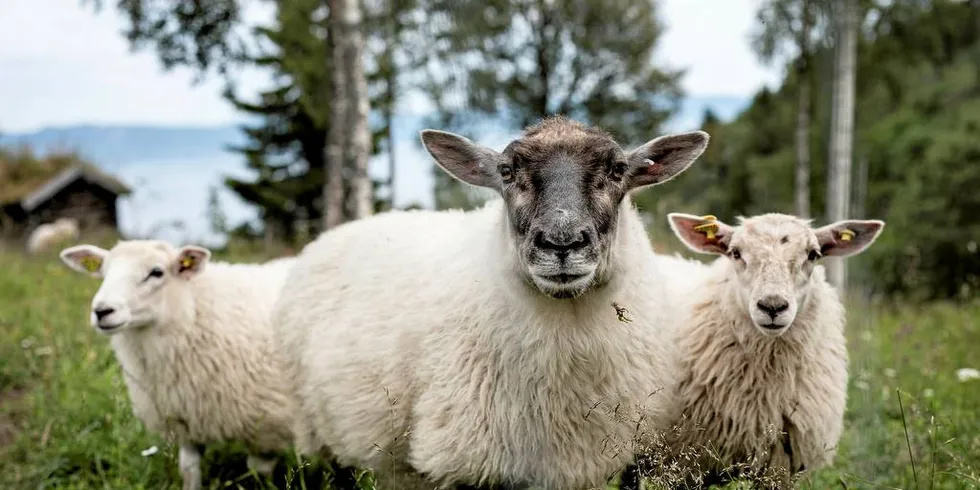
x=563 y=243
x=773 y=305
x=103 y=312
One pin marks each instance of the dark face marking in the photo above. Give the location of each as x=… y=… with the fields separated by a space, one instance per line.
x=563 y=185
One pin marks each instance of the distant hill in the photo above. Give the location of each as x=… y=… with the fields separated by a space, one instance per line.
x=122 y=145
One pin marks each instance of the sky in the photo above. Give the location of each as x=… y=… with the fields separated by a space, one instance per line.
x=63 y=64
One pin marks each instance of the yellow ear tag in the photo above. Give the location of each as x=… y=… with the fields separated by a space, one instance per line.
x=846 y=235
x=91 y=264
x=708 y=228
x=186 y=262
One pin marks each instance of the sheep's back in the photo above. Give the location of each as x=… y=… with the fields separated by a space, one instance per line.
x=218 y=379
x=350 y=322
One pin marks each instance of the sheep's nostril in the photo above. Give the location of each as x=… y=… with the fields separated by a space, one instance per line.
x=772 y=305
x=101 y=313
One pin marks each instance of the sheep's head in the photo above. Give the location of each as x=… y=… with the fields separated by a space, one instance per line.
x=139 y=280
x=563 y=183
x=773 y=256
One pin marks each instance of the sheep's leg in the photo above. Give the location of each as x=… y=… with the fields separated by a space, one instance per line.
x=629 y=479
x=262 y=463
x=189 y=460
x=344 y=477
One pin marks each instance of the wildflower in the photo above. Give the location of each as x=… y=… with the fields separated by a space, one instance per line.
x=889 y=372
x=928 y=393
x=862 y=385
x=150 y=451
x=966 y=374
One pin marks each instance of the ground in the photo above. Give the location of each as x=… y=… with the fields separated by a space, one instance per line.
x=65 y=419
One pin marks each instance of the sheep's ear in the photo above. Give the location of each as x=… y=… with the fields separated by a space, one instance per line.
x=664 y=158
x=703 y=234
x=86 y=259
x=464 y=159
x=848 y=237
x=191 y=260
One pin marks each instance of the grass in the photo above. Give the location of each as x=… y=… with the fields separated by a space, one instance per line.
x=65 y=419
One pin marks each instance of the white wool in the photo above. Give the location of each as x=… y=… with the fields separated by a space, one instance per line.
x=736 y=384
x=49 y=234
x=212 y=378
x=205 y=371
x=410 y=339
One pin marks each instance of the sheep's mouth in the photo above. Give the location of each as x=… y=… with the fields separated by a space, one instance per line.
x=564 y=278
x=108 y=328
x=564 y=285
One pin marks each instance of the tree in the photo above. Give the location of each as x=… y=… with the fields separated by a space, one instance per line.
x=842 y=129
x=195 y=33
x=521 y=60
x=347 y=193
x=204 y=36
x=286 y=148
x=795 y=23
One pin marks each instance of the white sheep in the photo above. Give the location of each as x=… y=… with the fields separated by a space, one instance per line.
x=49 y=234
x=520 y=343
x=194 y=341
x=763 y=379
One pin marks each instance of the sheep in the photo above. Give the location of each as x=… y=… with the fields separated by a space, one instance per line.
x=763 y=372
x=49 y=234
x=519 y=343
x=194 y=340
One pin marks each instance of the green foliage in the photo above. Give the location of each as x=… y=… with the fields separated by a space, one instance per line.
x=522 y=60
x=286 y=149
x=913 y=352
x=916 y=132
x=196 y=33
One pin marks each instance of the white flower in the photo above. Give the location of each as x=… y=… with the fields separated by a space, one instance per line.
x=966 y=374
x=150 y=451
x=862 y=385
x=928 y=393
x=890 y=372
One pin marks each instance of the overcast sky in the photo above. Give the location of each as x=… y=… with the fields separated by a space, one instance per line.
x=61 y=64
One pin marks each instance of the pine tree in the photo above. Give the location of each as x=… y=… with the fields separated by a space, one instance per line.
x=286 y=149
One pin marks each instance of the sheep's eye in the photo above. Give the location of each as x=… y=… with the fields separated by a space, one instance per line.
x=813 y=255
x=736 y=254
x=618 y=171
x=155 y=272
x=506 y=173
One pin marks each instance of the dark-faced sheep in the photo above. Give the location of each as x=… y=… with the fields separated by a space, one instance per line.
x=520 y=343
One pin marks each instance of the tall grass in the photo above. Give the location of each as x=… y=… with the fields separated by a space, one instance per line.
x=65 y=419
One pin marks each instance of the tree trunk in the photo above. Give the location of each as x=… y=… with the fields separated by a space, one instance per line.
x=839 y=169
x=803 y=115
x=803 y=148
x=389 y=116
x=861 y=189
x=333 y=192
x=348 y=193
x=359 y=200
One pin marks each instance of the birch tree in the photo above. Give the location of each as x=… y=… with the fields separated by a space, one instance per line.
x=842 y=127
